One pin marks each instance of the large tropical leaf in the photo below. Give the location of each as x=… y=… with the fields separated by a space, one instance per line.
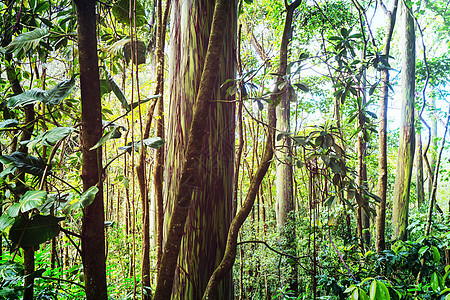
x=114 y=133
x=29 y=201
x=109 y=84
x=10 y=270
x=5 y=221
x=121 y=11
x=52 y=97
x=25 y=163
x=27 y=41
x=35 y=231
x=50 y=137
x=139 y=48
x=85 y=199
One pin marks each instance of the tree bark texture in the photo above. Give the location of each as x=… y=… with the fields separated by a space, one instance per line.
x=93 y=234
x=191 y=181
x=407 y=144
x=210 y=214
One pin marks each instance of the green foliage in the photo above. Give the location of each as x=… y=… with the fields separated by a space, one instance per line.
x=25 y=163
x=27 y=41
x=51 y=97
x=121 y=11
x=31 y=232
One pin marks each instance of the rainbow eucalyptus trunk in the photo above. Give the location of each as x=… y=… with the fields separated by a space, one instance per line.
x=210 y=212
x=93 y=241
x=406 y=145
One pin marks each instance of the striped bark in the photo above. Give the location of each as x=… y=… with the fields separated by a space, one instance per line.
x=210 y=212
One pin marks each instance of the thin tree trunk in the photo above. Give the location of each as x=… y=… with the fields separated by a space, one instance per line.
x=419 y=169
x=284 y=182
x=380 y=242
x=93 y=241
x=406 y=145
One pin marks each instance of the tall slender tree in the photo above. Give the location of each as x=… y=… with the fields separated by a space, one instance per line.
x=93 y=234
x=284 y=183
x=380 y=243
x=407 y=140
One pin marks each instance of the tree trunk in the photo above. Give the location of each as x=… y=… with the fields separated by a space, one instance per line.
x=191 y=183
x=433 y=146
x=380 y=243
x=406 y=144
x=284 y=182
x=93 y=235
x=209 y=216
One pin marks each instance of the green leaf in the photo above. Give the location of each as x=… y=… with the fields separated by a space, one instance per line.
x=25 y=163
x=114 y=133
x=139 y=50
x=121 y=10
x=436 y=254
x=363 y=295
x=154 y=142
x=436 y=282
x=51 y=97
x=10 y=270
x=27 y=41
x=50 y=137
x=8 y=123
x=302 y=87
x=110 y=85
x=29 y=201
x=86 y=198
x=35 y=231
x=5 y=221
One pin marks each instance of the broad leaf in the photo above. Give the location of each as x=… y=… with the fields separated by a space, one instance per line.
x=114 y=133
x=8 y=123
x=109 y=85
x=27 y=41
x=35 y=231
x=51 y=97
x=5 y=221
x=85 y=199
x=50 y=137
x=378 y=290
x=153 y=142
x=29 y=201
x=25 y=163
x=10 y=269
x=139 y=50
